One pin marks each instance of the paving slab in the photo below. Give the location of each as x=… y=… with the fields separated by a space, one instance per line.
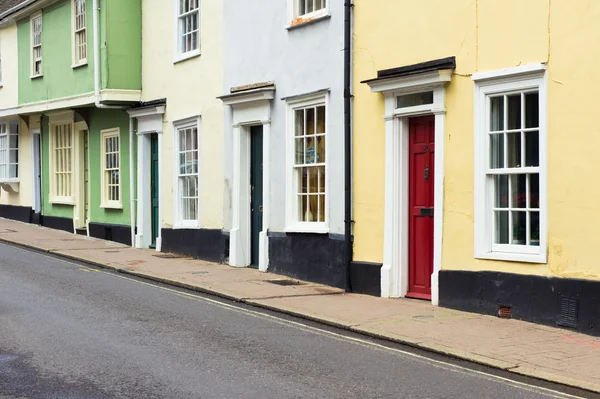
x=543 y=352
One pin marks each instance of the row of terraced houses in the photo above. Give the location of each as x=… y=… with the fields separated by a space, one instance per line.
x=428 y=149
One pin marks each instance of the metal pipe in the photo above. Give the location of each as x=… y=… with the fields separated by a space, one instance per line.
x=347 y=259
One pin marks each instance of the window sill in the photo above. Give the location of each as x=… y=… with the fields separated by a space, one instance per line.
x=316 y=228
x=111 y=206
x=36 y=76
x=62 y=201
x=308 y=19
x=513 y=256
x=181 y=226
x=81 y=64
x=186 y=56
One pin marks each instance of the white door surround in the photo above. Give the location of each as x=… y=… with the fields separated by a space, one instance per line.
x=36 y=156
x=150 y=121
x=250 y=108
x=394 y=272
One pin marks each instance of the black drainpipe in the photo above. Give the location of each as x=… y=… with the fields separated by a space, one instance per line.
x=347 y=141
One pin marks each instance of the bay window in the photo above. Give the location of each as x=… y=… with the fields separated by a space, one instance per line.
x=9 y=151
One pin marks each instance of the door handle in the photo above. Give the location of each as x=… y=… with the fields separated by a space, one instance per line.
x=260 y=208
x=426 y=212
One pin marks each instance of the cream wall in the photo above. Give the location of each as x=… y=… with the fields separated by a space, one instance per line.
x=8 y=52
x=191 y=88
x=24 y=197
x=485 y=36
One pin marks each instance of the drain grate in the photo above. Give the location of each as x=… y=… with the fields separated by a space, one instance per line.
x=168 y=256
x=285 y=282
x=505 y=312
x=568 y=312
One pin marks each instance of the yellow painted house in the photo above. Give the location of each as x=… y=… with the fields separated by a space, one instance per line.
x=474 y=165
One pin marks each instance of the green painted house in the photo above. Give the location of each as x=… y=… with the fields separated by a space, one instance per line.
x=79 y=71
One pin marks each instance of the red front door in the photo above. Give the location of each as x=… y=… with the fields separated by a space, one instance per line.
x=421 y=177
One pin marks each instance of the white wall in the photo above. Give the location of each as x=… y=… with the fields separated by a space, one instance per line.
x=259 y=48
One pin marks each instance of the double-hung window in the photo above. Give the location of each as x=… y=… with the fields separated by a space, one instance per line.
x=187 y=173
x=36 y=45
x=79 y=33
x=188 y=28
x=61 y=158
x=510 y=198
x=308 y=10
x=307 y=205
x=9 y=151
x=111 y=169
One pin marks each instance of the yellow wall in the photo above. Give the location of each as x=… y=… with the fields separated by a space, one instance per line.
x=191 y=88
x=486 y=35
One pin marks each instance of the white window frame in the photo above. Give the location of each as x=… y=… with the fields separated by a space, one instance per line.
x=76 y=60
x=54 y=197
x=105 y=201
x=179 y=54
x=180 y=223
x=516 y=79
x=293 y=225
x=6 y=130
x=298 y=19
x=34 y=46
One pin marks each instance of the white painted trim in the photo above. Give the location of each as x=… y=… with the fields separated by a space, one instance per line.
x=58 y=118
x=71 y=102
x=190 y=122
x=148 y=111
x=178 y=56
x=535 y=68
x=104 y=202
x=74 y=62
x=526 y=77
x=36 y=167
x=250 y=108
x=394 y=272
x=412 y=83
x=80 y=219
x=294 y=12
x=36 y=15
x=292 y=224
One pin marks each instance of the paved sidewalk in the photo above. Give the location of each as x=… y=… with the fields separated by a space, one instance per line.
x=547 y=353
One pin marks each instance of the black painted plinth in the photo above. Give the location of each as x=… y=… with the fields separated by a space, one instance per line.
x=206 y=244
x=111 y=232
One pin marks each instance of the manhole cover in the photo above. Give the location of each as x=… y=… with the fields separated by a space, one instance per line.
x=167 y=256
x=285 y=282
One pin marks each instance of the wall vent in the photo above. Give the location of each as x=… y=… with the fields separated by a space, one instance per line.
x=505 y=312
x=568 y=312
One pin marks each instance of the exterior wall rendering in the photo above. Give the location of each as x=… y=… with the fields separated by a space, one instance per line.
x=189 y=82
x=484 y=263
x=302 y=64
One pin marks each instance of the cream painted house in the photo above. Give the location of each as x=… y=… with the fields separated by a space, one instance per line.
x=19 y=178
x=180 y=129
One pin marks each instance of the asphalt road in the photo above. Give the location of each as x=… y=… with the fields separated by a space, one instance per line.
x=68 y=331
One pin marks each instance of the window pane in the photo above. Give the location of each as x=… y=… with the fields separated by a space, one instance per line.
x=411 y=100
x=501 y=191
x=310 y=150
x=532 y=149
x=302 y=7
x=534 y=228
x=13 y=172
x=514 y=150
x=320 y=119
x=300 y=151
x=321 y=208
x=321 y=179
x=321 y=149
x=303 y=208
x=514 y=111
x=534 y=191
x=310 y=121
x=532 y=110
x=497 y=114
x=501 y=227
x=496 y=151
x=519 y=223
x=303 y=181
x=299 y=122
x=519 y=191
x=182 y=140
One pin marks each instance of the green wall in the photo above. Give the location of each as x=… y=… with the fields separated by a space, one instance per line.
x=100 y=120
x=59 y=78
x=120 y=51
x=124 y=41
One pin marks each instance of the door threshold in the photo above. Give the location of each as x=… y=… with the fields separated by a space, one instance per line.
x=416 y=295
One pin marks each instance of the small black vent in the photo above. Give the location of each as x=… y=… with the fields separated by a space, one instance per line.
x=505 y=312
x=285 y=282
x=568 y=312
